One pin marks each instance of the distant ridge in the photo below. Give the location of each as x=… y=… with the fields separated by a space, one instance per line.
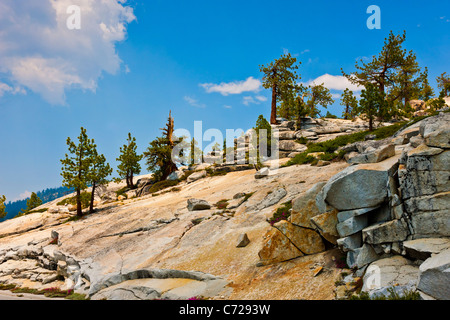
x=47 y=195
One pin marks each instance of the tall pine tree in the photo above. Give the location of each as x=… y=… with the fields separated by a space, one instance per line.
x=372 y=100
x=129 y=162
x=349 y=101
x=159 y=153
x=98 y=174
x=280 y=76
x=76 y=167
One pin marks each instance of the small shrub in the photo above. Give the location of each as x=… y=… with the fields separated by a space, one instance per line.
x=222 y=204
x=282 y=213
x=393 y=295
x=247 y=196
x=85 y=198
x=161 y=185
x=328 y=156
x=122 y=192
x=302 y=158
x=302 y=140
x=212 y=173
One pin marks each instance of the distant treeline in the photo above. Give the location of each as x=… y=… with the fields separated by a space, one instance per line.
x=47 y=195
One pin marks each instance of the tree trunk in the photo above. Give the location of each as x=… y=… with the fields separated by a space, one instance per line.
x=91 y=206
x=131 y=181
x=273 y=115
x=79 y=210
x=346 y=112
x=371 y=124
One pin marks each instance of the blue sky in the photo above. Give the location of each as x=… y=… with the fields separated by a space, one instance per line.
x=133 y=61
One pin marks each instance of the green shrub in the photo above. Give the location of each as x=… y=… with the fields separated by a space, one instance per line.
x=302 y=140
x=222 y=204
x=282 y=213
x=161 y=185
x=393 y=295
x=302 y=158
x=331 y=146
x=122 y=192
x=85 y=198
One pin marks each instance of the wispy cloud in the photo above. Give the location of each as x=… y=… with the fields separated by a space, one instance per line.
x=4 y=88
x=25 y=195
x=193 y=102
x=247 y=100
x=334 y=82
x=236 y=87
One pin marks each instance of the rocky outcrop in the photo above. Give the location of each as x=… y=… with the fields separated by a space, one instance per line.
x=390 y=211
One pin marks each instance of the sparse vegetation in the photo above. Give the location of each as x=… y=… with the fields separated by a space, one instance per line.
x=48 y=292
x=282 y=213
x=330 y=147
x=222 y=204
x=393 y=295
x=85 y=198
x=161 y=185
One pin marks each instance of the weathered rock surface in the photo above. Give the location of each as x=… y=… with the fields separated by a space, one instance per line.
x=304 y=207
x=326 y=225
x=198 y=204
x=196 y=176
x=435 y=276
x=306 y=240
x=395 y=273
x=422 y=249
x=392 y=231
x=352 y=225
x=374 y=156
x=264 y=172
x=360 y=186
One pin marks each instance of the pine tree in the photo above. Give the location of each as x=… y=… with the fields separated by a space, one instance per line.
x=443 y=82
x=32 y=203
x=129 y=162
x=75 y=170
x=98 y=174
x=426 y=91
x=351 y=104
x=195 y=153
x=383 y=68
x=372 y=100
x=261 y=125
x=3 y=213
x=280 y=76
x=159 y=153
x=318 y=95
x=406 y=84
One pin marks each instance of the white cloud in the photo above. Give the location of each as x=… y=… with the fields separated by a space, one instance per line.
x=334 y=83
x=6 y=88
x=335 y=95
x=305 y=51
x=23 y=196
x=261 y=98
x=193 y=102
x=227 y=107
x=235 y=87
x=39 y=52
